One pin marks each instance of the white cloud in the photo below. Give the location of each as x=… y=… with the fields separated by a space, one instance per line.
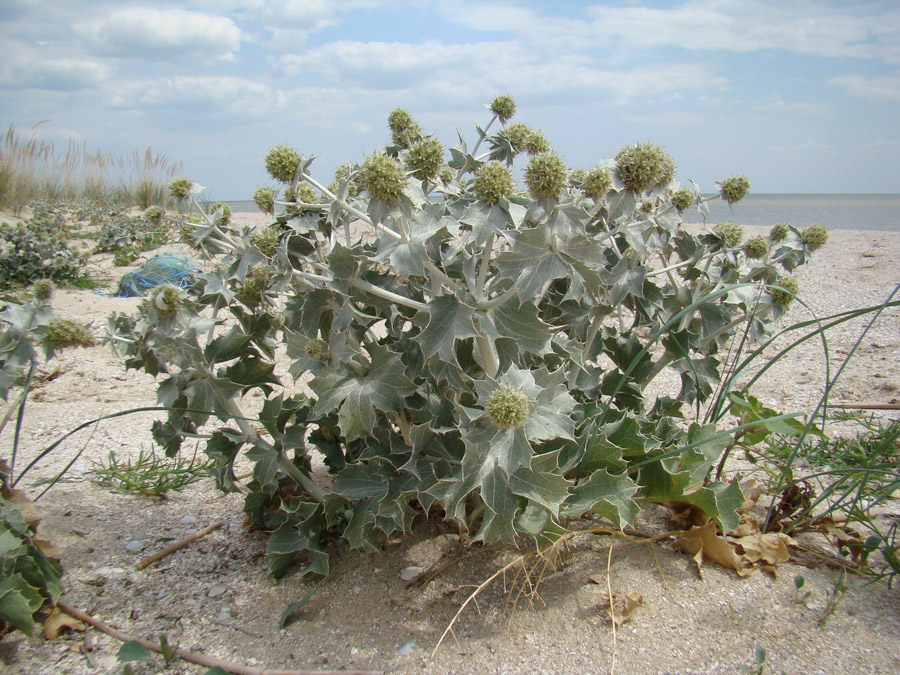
x=29 y=66
x=872 y=87
x=860 y=29
x=199 y=95
x=167 y=34
x=807 y=147
x=667 y=117
x=881 y=146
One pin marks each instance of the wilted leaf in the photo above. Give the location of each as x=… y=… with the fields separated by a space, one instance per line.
x=704 y=544
x=622 y=609
x=771 y=548
x=58 y=622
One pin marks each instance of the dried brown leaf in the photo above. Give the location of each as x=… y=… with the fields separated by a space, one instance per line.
x=704 y=544
x=58 y=622
x=771 y=548
x=622 y=609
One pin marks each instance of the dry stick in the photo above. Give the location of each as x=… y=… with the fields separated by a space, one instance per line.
x=200 y=659
x=867 y=406
x=150 y=559
x=612 y=605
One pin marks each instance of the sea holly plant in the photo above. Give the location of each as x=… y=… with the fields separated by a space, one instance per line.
x=473 y=347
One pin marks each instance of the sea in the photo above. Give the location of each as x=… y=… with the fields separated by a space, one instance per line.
x=835 y=211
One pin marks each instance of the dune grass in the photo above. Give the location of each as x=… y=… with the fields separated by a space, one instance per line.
x=31 y=168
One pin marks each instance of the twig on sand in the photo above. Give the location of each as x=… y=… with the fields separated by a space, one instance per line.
x=200 y=659
x=159 y=555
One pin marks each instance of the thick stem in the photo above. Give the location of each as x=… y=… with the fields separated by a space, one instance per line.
x=483 y=270
x=389 y=295
x=489 y=356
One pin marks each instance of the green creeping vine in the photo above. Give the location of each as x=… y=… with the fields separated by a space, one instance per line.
x=470 y=346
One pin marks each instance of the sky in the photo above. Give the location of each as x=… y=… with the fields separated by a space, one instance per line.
x=798 y=95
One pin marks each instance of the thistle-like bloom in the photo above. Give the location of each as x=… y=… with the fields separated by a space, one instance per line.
x=282 y=163
x=404 y=128
x=518 y=135
x=225 y=215
x=493 y=180
x=265 y=199
x=154 y=215
x=383 y=178
x=756 y=247
x=166 y=299
x=316 y=350
x=424 y=159
x=266 y=240
x=783 y=298
x=251 y=291
x=732 y=233
x=43 y=289
x=306 y=194
x=508 y=408
x=545 y=175
x=180 y=187
x=779 y=232
x=683 y=199
x=597 y=183
x=536 y=143
x=734 y=189
x=644 y=166
x=814 y=236
x=62 y=333
x=504 y=107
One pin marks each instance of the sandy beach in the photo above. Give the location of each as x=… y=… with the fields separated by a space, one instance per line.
x=215 y=597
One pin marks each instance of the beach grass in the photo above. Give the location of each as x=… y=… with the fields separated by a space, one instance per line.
x=31 y=168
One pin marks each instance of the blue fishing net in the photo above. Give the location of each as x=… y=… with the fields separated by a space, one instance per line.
x=160 y=269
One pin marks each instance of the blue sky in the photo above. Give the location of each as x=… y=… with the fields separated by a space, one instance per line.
x=799 y=95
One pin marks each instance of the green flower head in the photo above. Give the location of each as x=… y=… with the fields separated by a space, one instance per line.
x=508 y=408
x=154 y=215
x=814 y=236
x=404 y=128
x=425 y=158
x=504 y=107
x=493 y=180
x=756 y=247
x=306 y=194
x=779 y=232
x=518 y=135
x=683 y=199
x=732 y=233
x=734 y=189
x=251 y=292
x=43 y=289
x=316 y=350
x=644 y=166
x=536 y=143
x=282 y=163
x=63 y=333
x=383 y=178
x=180 y=187
x=166 y=300
x=783 y=298
x=597 y=183
x=265 y=199
x=266 y=240
x=545 y=175
x=225 y=215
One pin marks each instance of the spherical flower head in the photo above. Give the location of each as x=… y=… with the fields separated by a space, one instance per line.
x=518 y=135
x=166 y=300
x=180 y=187
x=577 y=177
x=597 y=182
x=504 y=107
x=779 y=232
x=265 y=199
x=316 y=350
x=814 y=236
x=536 y=143
x=782 y=298
x=224 y=215
x=507 y=407
x=734 y=189
x=647 y=206
x=383 y=178
x=683 y=199
x=306 y=194
x=404 y=128
x=340 y=173
x=446 y=175
x=644 y=166
x=43 y=289
x=266 y=240
x=545 y=175
x=282 y=163
x=154 y=215
x=493 y=180
x=732 y=233
x=756 y=247
x=62 y=333
x=425 y=158
x=251 y=291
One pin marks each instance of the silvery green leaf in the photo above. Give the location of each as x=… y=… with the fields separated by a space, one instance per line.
x=607 y=495
x=533 y=262
x=449 y=320
x=520 y=322
x=547 y=489
x=500 y=514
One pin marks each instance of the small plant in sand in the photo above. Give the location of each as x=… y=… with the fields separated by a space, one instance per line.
x=473 y=348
